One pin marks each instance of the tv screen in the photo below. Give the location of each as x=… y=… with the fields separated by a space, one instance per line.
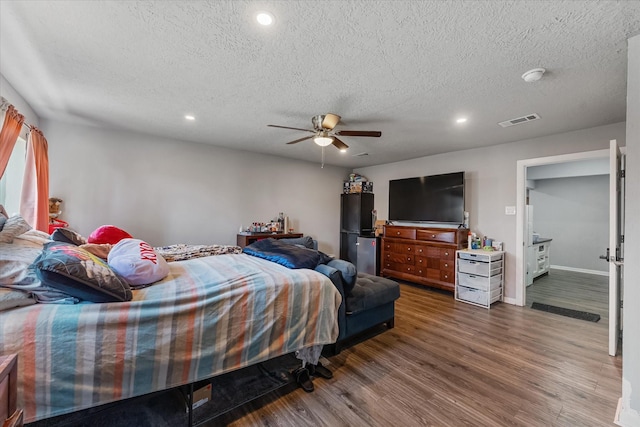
x=435 y=198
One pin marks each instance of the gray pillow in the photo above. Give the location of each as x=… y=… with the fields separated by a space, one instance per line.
x=13 y=227
x=348 y=271
x=306 y=241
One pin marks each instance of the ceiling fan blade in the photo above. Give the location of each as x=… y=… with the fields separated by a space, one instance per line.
x=287 y=127
x=299 y=140
x=330 y=121
x=371 y=133
x=339 y=144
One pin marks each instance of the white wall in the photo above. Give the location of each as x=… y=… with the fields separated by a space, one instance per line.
x=630 y=413
x=8 y=92
x=490 y=179
x=574 y=212
x=166 y=191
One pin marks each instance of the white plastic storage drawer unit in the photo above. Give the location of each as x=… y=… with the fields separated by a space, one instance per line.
x=478 y=297
x=479 y=276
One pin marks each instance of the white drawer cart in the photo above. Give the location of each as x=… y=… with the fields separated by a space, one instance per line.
x=479 y=276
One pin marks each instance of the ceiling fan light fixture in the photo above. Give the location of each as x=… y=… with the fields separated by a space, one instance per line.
x=323 y=140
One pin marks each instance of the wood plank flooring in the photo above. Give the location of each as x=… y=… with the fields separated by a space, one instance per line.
x=447 y=363
x=577 y=291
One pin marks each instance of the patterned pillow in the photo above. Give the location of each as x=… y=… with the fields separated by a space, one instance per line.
x=75 y=271
x=14 y=226
x=69 y=236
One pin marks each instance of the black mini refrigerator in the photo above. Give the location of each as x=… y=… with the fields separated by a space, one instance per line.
x=368 y=260
x=355 y=220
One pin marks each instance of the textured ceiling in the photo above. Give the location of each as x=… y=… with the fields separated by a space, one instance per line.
x=406 y=68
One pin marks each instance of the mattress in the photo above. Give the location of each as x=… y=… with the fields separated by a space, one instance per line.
x=211 y=315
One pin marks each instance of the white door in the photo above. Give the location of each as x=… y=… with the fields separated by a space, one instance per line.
x=614 y=251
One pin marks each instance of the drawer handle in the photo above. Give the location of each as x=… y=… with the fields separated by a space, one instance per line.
x=420 y=250
x=398 y=233
x=433 y=236
x=446 y=276
x=420 y=261
x=446 y=254
x=408 y=249
x=446 y=265
x=408 y=268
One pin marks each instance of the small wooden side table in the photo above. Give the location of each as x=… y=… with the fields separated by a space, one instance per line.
x=10 y=415
x=245 y=239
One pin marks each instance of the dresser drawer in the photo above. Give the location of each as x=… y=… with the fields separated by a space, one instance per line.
x=447 y=265
x=4 y=399
x=446 y=253
x=405 y=248
x=435 y=235
x=448 y=276
x=398 y=258
x=400 y=232
x=396 y=266
x=479 y=268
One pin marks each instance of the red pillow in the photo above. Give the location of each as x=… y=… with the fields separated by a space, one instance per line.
x=108 y=234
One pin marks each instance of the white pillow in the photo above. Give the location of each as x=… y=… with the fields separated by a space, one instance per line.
x=137 y=262
x=15 y=259
x=13 y=227
x=12 y=299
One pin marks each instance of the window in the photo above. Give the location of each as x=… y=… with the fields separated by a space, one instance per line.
x=11 y=181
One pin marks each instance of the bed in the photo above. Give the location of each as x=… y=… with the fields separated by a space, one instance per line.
x=210 y=315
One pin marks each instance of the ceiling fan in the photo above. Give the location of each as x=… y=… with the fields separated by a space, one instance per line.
x=323 y=133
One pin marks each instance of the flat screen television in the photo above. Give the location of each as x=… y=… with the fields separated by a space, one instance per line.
x=435 y=198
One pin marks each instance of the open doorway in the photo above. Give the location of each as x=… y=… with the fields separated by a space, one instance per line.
x=616 y=226
x=567 y=233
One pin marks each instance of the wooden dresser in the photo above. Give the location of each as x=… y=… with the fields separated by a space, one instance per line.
x=422 y=255
x=10 y=415
x=245 y=238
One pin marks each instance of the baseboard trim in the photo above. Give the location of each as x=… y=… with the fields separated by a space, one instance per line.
x=511 y=301
x=580 y=270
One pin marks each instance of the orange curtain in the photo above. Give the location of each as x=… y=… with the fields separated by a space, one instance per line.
x=34 y=204
x=9 y=135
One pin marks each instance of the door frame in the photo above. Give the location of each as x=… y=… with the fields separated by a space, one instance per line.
x=521 y=192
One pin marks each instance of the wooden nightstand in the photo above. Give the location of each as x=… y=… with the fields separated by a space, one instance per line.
x=10 y=416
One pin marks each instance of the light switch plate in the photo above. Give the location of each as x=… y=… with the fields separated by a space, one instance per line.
x=509 y=210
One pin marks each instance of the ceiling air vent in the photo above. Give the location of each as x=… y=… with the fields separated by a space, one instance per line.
x=360 y=154
x=519 y=120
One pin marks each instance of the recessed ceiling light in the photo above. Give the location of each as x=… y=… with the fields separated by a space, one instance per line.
x=189 y=117
x=461 y=120
x=264 y=18
x=533 y=75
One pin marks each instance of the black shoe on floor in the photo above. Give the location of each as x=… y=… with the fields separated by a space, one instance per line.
x=303 y=379
x=320 y=371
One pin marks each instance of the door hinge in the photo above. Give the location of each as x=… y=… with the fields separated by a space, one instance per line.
x=622 y=173
x=622 y=238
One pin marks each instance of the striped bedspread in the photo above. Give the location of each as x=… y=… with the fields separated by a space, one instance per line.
x=209 y=316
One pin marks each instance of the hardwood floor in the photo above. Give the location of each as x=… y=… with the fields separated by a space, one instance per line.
x=577 y=291
x=447 y=363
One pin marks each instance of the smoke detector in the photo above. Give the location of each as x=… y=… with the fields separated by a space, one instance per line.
x=533 y=75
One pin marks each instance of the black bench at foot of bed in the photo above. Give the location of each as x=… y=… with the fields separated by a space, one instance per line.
x=370 y=303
